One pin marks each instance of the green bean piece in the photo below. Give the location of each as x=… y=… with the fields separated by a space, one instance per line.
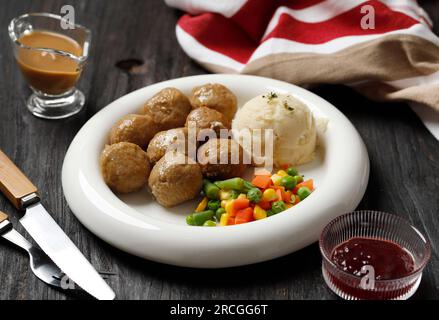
x=231 y=184
x=219 y=213
x=278 y=207
x=201 y=217
x=210 y=190
x=190 y=220
x=248 y=186
x=214 y=205
x=303 y=193
x=254 y=195
x=209 y=223
x=270 y=213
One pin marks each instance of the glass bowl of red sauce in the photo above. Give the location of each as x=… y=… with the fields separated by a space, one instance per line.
x=369 y=255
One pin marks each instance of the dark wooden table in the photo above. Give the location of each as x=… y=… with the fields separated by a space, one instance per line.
x=404 y=162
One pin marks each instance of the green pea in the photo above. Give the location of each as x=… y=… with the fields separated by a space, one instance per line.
x=254 y=195
x=299 y=179
x=292 y=171
x=278 y=207
x=219 y=213
x=270 y=213
x=288 y=182
x=209 y=223
x=214 y=205
x=303 y=193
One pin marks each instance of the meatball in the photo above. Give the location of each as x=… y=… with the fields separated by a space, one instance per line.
x=174 y=139
x=125 y=167
x=206 y=118
x=134 y=128
x=221 y=159
x=215 y=96
x=169 y=109
x=175 y=179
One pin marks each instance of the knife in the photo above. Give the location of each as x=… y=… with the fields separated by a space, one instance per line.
x=46 y=233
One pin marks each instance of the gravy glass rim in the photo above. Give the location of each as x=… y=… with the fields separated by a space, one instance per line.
x=85 y=47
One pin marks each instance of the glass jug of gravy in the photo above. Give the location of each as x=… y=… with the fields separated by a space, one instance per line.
x=51 y=59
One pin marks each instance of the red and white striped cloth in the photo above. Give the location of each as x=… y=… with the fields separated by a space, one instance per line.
x=309 y=42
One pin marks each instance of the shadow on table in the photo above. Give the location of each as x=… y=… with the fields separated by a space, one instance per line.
x=275 y=279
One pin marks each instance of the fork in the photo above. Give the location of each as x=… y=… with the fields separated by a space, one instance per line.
x=41 y=265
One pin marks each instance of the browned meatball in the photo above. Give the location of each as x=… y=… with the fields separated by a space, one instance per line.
x=221 y=159
x=175 y=179
x=206 y=118
x=174 y=139
x=169 y=109
x=125 y=167
x=134 y=128
x=215 y=96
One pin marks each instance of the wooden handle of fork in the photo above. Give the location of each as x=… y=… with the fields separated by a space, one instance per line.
x=3 y=216
x=13 y=183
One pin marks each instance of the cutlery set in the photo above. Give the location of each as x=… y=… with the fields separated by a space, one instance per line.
x=58 y=256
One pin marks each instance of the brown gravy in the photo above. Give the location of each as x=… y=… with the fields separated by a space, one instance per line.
x=46 y=72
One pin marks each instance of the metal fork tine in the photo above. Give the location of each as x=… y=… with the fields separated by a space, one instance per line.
x=41 y=265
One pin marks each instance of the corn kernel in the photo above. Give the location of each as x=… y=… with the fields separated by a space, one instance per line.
x=259 y=213
x=229 y=206
x=224 y=219
x=276 y=179
x=202 y=206
x=242 y=196
x=269 y=195
x=225 y=195
x=282 y=173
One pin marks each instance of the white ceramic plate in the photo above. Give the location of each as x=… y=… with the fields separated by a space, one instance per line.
x=138 y=225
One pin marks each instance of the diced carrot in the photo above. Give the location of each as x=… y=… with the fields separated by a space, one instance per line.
x=262 y=182
x=308 y=183
x=279 y=194
x=285 y=166
x=265 y=205
x=231 y=221
x=287 y=196
x=239 y=204
x=297 y=200
x=244 y=216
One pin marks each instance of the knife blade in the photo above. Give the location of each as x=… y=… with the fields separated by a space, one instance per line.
x=46 y=232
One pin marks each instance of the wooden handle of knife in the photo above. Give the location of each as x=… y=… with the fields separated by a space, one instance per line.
x=3 y=216
x=13 y=183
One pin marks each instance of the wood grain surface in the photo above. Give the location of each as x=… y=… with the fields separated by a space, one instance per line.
x=135 y=45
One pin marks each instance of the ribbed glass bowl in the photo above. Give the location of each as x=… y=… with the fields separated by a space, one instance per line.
x=374 y=225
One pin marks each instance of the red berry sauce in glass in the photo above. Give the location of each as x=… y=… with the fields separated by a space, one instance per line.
x=389 y=260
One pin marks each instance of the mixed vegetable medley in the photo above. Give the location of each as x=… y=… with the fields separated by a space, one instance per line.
x=237 y=201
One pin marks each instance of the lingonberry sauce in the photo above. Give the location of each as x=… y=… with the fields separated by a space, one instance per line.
x=388 y=259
